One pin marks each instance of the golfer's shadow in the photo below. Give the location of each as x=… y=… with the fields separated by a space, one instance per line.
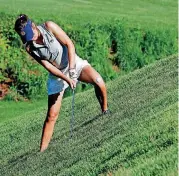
x=85 y=123
x=23 y=157
x=77 y=128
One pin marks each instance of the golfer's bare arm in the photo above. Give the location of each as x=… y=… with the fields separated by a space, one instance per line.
x=63 y=38
x=52 y=69
x=48 y=66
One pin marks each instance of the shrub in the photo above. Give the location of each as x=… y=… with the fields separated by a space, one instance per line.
x=104 y=45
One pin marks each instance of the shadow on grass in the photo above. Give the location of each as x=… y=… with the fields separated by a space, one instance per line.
x=23 y=157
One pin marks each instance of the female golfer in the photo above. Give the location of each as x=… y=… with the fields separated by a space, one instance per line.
x=50 y=46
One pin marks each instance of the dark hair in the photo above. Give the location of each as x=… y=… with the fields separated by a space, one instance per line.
x=20 y=22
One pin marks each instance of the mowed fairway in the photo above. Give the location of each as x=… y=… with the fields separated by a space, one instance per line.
x=139 y=138
x=145 y=13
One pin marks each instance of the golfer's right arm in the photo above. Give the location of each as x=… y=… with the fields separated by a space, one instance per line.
x=55 y=71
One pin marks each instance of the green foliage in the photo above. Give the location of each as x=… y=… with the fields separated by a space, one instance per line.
x=3 y=48
x=104 y=45
x=135 y=47
x=13 y=95
x=7 y=29
x=92 y=44
x=20 y=72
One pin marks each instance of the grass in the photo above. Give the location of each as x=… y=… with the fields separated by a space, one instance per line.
x=139 y=138
x=145 y=13
x=12 y=109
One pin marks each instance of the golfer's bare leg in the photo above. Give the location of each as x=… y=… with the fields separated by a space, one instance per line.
x=54 y=104
x=90 y=75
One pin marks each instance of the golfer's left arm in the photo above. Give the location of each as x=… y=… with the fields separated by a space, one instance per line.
x=63 y=38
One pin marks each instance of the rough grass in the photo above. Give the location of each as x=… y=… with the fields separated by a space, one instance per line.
x=139 y=138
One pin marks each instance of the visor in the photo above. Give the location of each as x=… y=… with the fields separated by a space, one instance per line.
x=27 y=32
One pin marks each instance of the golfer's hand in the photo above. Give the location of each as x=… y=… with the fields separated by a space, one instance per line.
x=72 y=83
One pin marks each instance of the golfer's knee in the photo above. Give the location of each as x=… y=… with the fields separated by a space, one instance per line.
x=52 y=116
x=99 y=82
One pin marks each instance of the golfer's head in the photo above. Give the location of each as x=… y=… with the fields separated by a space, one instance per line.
x=23 y=26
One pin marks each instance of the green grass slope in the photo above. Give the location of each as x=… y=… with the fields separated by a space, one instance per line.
x=139 y=138
x=147 y=13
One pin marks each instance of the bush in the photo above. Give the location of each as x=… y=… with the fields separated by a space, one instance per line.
x=105 y=46
x=20 y=72
x=133 y=47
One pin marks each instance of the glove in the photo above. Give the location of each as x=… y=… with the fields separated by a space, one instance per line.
x=73 y=74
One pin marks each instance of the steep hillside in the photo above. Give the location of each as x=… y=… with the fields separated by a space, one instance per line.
x=139 y=138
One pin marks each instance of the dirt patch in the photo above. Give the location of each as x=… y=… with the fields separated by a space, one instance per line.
x=4 y=88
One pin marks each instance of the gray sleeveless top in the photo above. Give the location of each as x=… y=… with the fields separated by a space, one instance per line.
x=52 y=50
